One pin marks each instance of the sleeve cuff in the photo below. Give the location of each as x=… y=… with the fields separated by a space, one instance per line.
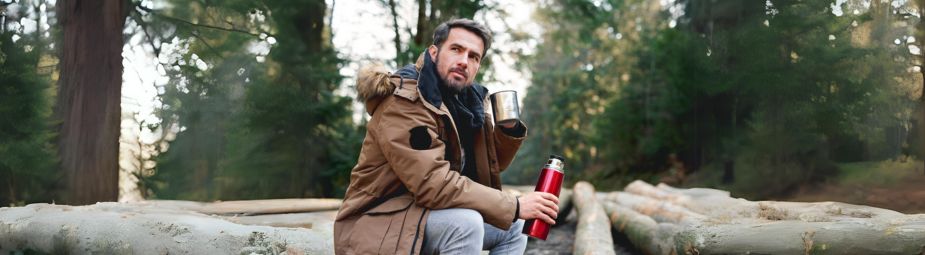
x=517 y=209
x=518 y=131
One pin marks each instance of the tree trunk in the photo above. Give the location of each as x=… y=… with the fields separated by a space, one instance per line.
x=89 y=93
x=311 y=24
x=592 y=235
x=422 y=35
x=400 y=58
x=920 y=116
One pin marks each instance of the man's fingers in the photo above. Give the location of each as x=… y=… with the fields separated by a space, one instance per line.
x=549 y=204
x=547 y=219
x=549 y=197
x=549 y=211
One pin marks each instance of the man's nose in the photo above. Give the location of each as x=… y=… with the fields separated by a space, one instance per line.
x=461 y=61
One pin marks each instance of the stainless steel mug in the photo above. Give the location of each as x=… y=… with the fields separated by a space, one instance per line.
x=504 y=106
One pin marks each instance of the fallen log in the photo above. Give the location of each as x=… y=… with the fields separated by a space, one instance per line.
x=901 y=236
x=640 y=229
x=250 y=207
x=660 y=211
x=121 y=228
x=665 y=220
x=592 y=235
x=317 y=220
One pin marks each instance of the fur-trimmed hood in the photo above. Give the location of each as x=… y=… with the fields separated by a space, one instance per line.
x=374 y=82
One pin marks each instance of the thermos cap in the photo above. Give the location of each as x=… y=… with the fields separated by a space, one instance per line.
x=556 y=162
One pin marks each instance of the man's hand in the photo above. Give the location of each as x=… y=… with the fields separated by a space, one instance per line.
x=508 y=124
x=539 y=205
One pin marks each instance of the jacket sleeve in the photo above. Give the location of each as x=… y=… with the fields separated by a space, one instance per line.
x=506 y=144
x=425 y=172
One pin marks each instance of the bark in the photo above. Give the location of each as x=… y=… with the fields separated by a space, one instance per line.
x=309 y=220
x=423 y=33
x=311 y=19
x=592 y=235
x=666 y=220
x=116 y=228
x=646 y=235
x=920 y=116
x=399 y=57
x=89 y=93
x=658 y=210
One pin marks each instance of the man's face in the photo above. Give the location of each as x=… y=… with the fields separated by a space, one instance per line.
x=459 y=58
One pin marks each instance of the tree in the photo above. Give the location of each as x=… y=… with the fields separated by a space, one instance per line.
x=89 y=92
x=430 y=14
x=27 y=158
x=588 y=53
x=253 y=124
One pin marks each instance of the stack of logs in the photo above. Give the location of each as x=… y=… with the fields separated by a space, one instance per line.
x=666 y=220
x=655 y=219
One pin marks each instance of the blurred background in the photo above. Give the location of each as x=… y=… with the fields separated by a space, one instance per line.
x=224 y=100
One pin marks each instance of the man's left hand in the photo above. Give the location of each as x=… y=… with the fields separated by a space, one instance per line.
x=509 y=124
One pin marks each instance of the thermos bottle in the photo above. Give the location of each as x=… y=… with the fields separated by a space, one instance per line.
x=550 y=181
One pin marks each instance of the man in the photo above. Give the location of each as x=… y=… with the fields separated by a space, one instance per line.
x=428 y=176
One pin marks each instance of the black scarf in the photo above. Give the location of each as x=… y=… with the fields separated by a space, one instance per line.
x=465 y=107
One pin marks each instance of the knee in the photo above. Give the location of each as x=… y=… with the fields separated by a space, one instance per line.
x=517 y=227
x=468 y=221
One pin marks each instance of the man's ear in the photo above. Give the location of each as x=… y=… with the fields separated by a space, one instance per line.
x=433 y=52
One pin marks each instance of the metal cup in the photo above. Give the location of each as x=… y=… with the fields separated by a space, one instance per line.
x=504 y=106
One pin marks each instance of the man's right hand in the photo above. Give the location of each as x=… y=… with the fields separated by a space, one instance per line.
x=539 y=205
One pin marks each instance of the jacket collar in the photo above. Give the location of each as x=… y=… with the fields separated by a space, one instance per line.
x=427 y=80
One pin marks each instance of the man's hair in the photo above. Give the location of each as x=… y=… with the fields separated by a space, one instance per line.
x=443 y=31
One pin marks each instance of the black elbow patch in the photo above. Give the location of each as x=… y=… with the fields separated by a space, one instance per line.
x=420 y=139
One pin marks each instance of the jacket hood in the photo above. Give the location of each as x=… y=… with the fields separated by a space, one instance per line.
x=375 y=82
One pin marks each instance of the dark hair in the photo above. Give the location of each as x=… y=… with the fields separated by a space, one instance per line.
x=443 y=31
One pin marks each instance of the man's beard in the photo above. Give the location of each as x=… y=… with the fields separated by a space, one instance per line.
x=455 y=85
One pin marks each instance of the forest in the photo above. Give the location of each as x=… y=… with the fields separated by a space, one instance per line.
x=229 y=100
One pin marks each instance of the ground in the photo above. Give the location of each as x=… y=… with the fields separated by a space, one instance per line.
x=891 y=184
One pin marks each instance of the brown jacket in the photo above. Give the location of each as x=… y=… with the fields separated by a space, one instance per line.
x=395 y=184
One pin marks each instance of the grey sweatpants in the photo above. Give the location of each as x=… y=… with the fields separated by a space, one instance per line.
x=462 y=231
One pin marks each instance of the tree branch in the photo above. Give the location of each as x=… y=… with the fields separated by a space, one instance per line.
x=188 y=23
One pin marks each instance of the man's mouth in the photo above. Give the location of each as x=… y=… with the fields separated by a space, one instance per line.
x=461 y=74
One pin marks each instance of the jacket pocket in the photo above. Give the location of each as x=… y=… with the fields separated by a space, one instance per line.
x=392 y=205
x=378 y=230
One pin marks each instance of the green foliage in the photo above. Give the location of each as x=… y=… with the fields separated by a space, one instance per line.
x=248 y=129
x=577 y=71
x=780 y=92
x=28 y=165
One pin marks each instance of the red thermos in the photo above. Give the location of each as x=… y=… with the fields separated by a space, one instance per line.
x=550 y=182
